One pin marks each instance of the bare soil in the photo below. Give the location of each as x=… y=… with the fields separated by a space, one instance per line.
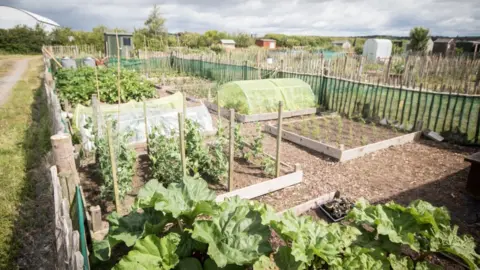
x=336 y=131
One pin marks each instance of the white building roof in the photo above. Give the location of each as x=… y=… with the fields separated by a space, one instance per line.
x=227 y=41
x=11 y=17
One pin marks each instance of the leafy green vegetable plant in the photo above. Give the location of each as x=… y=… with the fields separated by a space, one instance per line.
x=164 y=153
x=78 y=85
x=268 y=165
x=182 y=227
x=257 y=145
x=125 y=158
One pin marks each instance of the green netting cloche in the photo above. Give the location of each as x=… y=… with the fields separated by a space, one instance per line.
x=262 y=96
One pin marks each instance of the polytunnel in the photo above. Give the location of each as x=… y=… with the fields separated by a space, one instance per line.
x=262 y=96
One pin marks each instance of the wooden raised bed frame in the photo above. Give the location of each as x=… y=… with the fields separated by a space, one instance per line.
x=340 y=154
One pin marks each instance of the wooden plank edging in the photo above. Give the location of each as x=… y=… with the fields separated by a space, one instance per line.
x=243 y=118
x=304 y=207
x=373 y=147
x=344 y=155
x=307 y=142
x=263 y=188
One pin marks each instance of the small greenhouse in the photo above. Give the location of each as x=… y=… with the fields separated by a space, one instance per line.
x=161 y=113
x=262 y=96
x=375 y=48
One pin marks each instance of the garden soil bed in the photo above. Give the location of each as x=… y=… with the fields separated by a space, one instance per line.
x=335 y=131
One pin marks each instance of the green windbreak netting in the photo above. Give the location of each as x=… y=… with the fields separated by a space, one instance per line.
x=262 y=96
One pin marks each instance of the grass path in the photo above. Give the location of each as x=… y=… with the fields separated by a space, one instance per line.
x=23 y=141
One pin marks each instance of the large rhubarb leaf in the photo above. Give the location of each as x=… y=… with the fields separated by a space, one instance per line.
x=235 y=234
x=285 y=260
x=447 y=240
x=310 y=239
x=268 y=214
x=264 y=263
x=128 y=229
x=152 y=253
x=400 y=262
x=189 y=264
x=364 y=258
x=210 y=264
x=188 y=246
x=425 y=213
x=188 y=199
x=392 y=220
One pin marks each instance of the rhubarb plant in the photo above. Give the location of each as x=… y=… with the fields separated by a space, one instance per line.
x=182 y=227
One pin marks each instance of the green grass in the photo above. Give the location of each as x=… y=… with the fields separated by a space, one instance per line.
x=23 y=141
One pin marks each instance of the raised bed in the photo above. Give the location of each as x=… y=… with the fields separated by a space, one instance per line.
x=243 y=118
x=351 y=140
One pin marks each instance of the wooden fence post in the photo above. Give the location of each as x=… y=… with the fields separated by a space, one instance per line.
x=279 y=139
x=113 y=162
x=181 y=129
x=62 y=149
x=231 y=152
x=96 y=214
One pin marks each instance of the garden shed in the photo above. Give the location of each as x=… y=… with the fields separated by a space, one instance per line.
x=125 y=41
x=375 y=48
x=262 y=96
x=228 y=44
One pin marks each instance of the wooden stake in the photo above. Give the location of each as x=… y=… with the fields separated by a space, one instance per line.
x=114 y=166
x=218 y=107
x=53 y=57
x=279 y=139
x=96 y=80
x=182 y=142
x=231 y=151
x=118 y=75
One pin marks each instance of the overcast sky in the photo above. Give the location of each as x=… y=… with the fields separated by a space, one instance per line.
x=312 y=17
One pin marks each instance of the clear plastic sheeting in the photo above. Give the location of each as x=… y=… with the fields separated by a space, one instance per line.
x=262 y=96
x=161 y=113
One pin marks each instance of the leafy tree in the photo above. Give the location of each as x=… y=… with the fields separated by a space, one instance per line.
x=419 y=37
x=155 y=22
x=190 y=40
x=243 y=40
x=292 y=42
x=23 y=40
x=172 y=41
x=59 y=36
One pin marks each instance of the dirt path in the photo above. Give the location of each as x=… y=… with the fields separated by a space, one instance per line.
x=11 y=78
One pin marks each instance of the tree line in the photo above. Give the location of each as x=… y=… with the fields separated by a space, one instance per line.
x=154 y=35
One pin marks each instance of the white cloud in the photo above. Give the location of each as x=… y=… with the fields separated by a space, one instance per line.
x=315 y=17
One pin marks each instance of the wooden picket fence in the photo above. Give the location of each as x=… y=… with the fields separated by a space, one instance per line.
x=69 y=204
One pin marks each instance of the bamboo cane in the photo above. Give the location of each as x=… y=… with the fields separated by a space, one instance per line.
x=114 y=166
x=231 y=152
x=279 y=139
